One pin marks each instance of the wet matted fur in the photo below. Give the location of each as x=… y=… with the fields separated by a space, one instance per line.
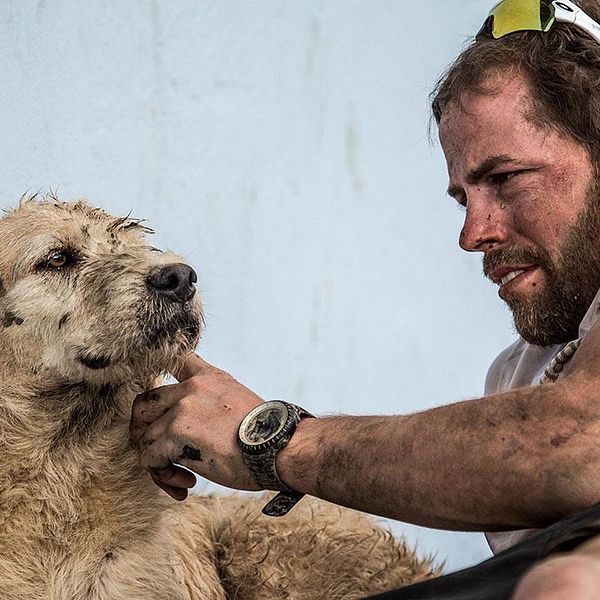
x=81 y=333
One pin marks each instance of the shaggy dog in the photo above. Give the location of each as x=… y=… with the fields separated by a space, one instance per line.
x=84 y=328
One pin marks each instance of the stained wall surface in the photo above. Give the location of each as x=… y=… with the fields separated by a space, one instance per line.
x=282 y=146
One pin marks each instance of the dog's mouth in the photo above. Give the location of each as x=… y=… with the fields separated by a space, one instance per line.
x=178 y=324
x=165 y=334
x=148 y=335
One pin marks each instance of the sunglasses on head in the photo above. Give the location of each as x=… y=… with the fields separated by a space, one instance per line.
x=509 y=16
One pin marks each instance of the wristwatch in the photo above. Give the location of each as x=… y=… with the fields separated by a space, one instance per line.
x=263 y=432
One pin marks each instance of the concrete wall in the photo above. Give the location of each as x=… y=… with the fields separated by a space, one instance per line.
x=282 y=146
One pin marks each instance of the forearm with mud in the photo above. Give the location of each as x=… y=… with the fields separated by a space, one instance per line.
x=518 y=459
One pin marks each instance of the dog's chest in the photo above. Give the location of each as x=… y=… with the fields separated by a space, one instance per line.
x=122 y=574
x=79 y=538
x=97 y=560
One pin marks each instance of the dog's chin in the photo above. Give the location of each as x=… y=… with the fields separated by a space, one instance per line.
x=159 y=347
x=161 y=323
x=166 y=340
x=168 y=356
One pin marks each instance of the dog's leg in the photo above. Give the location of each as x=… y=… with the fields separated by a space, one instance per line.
x=316 y=551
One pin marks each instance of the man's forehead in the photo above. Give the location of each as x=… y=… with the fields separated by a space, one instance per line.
x=486 y=130
x=496 y=95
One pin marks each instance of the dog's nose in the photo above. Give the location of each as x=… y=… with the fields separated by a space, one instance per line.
x=175 y=282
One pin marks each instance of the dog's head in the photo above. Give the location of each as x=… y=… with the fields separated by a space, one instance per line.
x=84 y=296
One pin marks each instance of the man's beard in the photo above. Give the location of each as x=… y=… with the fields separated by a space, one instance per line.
x=570 y=284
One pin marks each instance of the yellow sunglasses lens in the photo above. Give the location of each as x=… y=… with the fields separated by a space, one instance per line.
x=519 y=15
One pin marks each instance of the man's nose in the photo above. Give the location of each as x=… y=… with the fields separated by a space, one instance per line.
x=485 y=226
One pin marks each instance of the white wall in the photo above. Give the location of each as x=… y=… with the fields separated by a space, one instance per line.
x=282 y=146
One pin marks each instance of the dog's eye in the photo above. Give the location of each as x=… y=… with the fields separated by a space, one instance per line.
x=58 y=259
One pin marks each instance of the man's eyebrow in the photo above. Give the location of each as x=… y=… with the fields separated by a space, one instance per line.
x=480 y=172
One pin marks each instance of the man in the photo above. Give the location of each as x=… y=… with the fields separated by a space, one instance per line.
x=519 y=123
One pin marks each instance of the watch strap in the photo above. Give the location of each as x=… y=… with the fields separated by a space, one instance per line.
x=281 y=504
x=262 y=467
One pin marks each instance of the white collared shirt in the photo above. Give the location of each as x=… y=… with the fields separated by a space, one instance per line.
x=523 y=365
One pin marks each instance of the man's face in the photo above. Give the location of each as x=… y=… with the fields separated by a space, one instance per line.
x=531 y=205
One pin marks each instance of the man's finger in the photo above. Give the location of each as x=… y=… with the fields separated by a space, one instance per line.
x=176 y=476
x=136 y=431
x=175 y=492
x=153 y=404
x=155 y=456
x=193 y=365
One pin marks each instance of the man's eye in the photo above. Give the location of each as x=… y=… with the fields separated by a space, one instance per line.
x=500 y=178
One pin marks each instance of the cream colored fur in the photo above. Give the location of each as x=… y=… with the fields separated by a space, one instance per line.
x=78 y=518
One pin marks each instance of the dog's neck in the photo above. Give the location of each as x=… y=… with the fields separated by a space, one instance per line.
x=48 y=413
x=64 y=445
x=82 y=411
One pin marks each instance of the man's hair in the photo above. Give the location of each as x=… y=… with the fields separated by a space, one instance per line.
x=562 y=67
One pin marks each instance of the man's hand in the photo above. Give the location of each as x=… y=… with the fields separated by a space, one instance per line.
x=193 y=423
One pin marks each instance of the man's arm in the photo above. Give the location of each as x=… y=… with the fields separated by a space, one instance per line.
x=517 y=459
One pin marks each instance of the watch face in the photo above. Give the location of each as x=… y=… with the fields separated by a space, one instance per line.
x=263 y=423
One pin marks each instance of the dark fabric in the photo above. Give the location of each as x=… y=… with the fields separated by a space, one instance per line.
x=497 y=577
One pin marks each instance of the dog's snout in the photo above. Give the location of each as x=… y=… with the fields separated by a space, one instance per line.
x=175 y=282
